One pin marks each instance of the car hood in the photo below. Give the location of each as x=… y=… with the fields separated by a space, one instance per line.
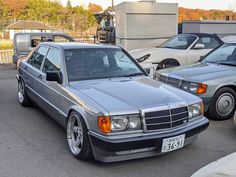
x=156 y=54
x=199 y=72
x=130 y=95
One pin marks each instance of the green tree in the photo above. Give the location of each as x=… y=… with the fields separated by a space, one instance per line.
x=15 y=7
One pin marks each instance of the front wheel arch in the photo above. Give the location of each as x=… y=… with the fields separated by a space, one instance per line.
x=164 y=63
x=208 y=111
x=77 y=110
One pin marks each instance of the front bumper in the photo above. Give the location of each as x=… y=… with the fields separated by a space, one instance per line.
x=119 y=148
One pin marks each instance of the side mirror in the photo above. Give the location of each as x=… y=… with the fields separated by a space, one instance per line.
x=54 y=76
x=147 y=70
x=199 y=46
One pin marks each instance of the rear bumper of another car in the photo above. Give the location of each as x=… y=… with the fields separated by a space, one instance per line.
x=119 y=148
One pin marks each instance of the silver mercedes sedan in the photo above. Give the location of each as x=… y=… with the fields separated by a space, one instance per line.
x=111 y=109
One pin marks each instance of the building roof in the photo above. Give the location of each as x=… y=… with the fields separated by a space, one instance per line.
x=29 y=24
x=210 y=21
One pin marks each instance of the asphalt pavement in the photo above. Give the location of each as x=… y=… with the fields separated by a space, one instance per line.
x=33 y=145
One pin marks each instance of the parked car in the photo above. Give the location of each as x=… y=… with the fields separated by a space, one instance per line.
x=24 y=43
x=182 y=49
x=220 y=168
x=108 y=104
x=213 y=79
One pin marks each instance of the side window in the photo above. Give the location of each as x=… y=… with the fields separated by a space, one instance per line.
x=60 y=39
x=37 y=57
x=209 y=42
x=52 y=61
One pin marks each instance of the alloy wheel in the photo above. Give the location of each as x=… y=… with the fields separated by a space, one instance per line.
x=75 y=134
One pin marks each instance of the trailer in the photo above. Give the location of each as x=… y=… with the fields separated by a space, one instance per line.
x=145 y=24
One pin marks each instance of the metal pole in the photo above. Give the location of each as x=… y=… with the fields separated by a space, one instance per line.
x=112 y=4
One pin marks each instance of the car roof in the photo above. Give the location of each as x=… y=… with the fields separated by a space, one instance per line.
x=76 y=45
x=205 y=35
x=41 y=33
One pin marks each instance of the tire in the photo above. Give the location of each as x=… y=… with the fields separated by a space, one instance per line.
x=23 y=98
x=223 y=105
x=168 y=63
x=76 y=128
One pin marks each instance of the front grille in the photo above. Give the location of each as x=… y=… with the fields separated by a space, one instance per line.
x=171 y=81
x=165 y=119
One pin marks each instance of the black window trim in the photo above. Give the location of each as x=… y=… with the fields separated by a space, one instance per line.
x=50 y=47
x=36 y=49
x=212 y=37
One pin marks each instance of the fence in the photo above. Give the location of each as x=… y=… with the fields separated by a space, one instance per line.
x=6 y=56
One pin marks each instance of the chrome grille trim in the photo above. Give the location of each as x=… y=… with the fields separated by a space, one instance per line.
x=164 y=122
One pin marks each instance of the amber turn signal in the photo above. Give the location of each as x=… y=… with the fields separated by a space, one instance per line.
x=203 y=108
x=104 y=124
x=202 y=88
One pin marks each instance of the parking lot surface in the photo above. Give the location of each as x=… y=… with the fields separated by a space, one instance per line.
x=32 y=144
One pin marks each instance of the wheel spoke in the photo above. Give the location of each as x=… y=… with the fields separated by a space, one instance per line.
x=78 y=141
x=75 y=129
x=75 y=134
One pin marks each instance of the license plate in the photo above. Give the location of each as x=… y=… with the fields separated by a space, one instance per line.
x=173 y=143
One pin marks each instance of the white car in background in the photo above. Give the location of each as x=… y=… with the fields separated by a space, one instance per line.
x=224 y=167
x=182 y=49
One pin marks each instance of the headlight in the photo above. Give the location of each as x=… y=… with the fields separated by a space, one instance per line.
x=119 y=123
x=197 y=88
x=142 y=59
x=195 y=110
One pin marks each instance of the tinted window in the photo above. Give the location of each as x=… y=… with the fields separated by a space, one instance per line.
x=37 y=57
x=209 y=42
x=52 y=61
x=95 y=63
x=179 y=42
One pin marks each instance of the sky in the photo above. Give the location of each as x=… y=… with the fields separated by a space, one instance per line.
x=202 y=4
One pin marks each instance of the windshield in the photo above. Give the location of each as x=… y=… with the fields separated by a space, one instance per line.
x=223 y=55
x=97 y=63
x=179 y=42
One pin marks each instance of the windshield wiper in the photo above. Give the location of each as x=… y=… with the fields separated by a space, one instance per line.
x=134 y=74
x=228 y=64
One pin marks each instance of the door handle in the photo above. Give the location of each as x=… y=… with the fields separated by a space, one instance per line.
x=40 y=76
x=26 y=68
